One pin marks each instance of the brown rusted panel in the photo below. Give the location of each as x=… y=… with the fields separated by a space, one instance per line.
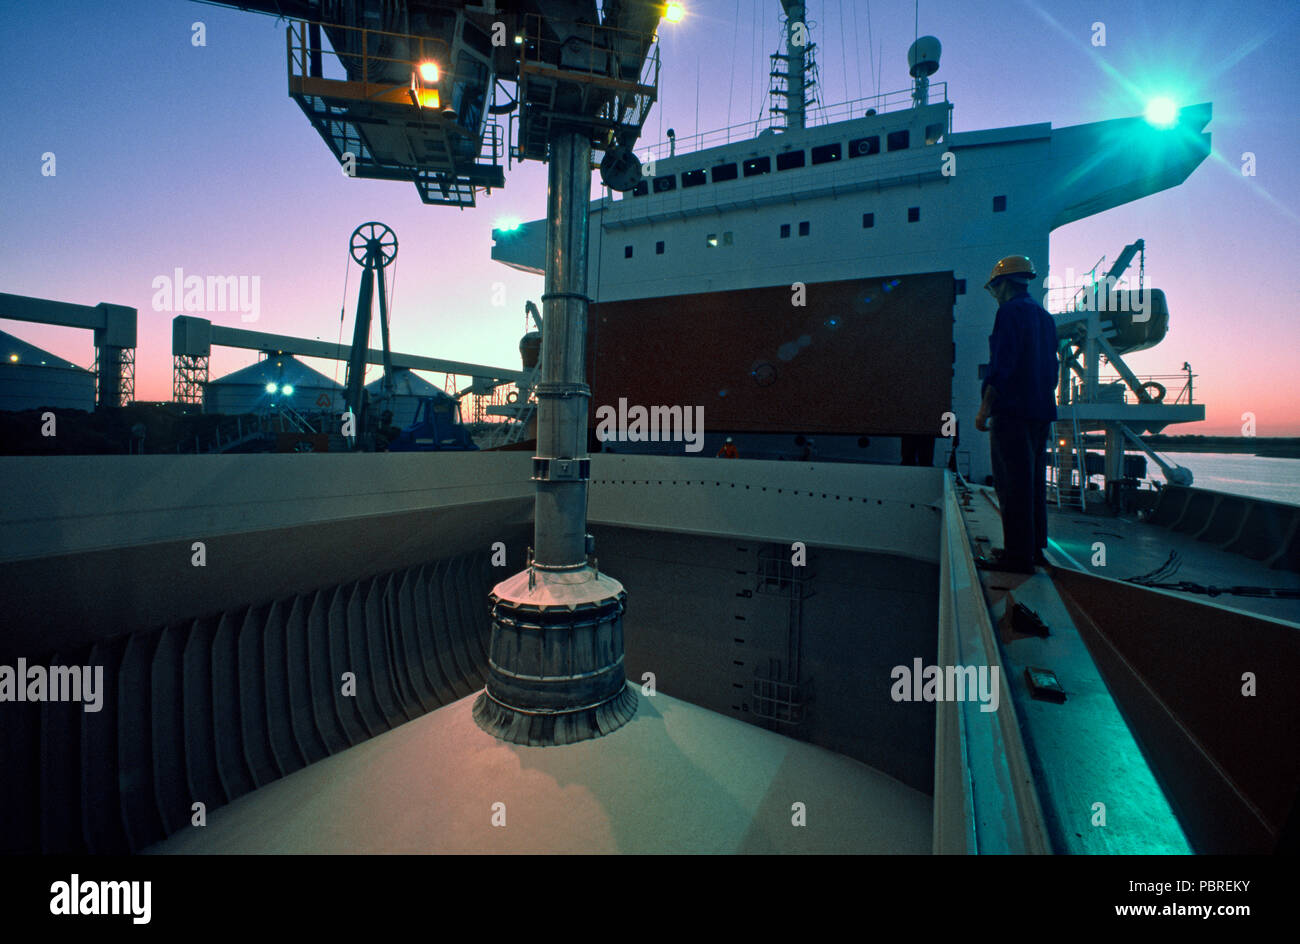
x=1227 y=760
x=863 y=356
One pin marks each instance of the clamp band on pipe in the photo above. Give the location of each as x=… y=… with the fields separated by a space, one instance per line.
x=561 y=390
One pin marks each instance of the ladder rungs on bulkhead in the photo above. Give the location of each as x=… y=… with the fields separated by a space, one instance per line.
x=1067 y=462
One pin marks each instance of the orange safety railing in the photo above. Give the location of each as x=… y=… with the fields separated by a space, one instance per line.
x=368 y=72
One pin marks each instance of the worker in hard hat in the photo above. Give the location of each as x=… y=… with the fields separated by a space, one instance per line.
x=1019 y=400
x=728 y=450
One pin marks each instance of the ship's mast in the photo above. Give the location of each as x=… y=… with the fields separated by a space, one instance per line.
x=799 y=63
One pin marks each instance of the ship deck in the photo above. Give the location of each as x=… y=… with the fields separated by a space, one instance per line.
x=1149 y=724
x=1135 y=549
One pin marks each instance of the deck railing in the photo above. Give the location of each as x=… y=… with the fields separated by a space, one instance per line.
x=375 y=74
x=819 y=115
x=1179 y=389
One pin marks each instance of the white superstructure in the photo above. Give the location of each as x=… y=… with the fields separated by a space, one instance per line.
x=865 y=195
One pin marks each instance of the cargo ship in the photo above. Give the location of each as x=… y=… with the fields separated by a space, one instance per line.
x=294 y=645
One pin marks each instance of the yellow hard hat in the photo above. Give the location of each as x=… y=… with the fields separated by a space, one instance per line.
x=1011 y=265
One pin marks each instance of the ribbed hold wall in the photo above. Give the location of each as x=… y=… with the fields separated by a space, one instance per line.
x=207 y=711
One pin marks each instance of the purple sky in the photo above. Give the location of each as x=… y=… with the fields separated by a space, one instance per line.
x=173 y=156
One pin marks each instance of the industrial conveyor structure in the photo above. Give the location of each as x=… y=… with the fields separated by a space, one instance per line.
x=114 y=328
x=407 y=106
x=193 y=339
x=411 y=92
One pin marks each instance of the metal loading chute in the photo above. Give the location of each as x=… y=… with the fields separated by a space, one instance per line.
x=555 y=671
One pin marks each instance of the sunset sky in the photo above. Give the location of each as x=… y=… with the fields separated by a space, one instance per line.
x=174 y=156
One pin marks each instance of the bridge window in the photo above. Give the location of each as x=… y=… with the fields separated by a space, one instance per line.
x=785 y=230
x=664 y=184
x=788 y=160
x=693 y=178
x=861 y=147
x=960 y=286
x=1000 y=203
x=804 y=228
x=641 y=189
x=758 y=165
x=826 y=153
x=659 y=248
x=627 y=252
x=724 y=172
x=868 y=220
x=897 y=140
x=913 y=214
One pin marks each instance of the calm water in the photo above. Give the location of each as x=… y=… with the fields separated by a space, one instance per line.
x=1240 y=474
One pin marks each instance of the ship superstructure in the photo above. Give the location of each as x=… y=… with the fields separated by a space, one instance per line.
x=878 y=194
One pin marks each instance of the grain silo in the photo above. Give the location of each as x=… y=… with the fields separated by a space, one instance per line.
x=32 y=378
x=408 y=389
x=278 y=379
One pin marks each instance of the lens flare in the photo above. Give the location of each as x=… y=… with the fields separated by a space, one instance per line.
x=1162 y=112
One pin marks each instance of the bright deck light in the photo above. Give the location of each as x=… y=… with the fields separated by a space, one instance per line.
x=674 y=12
x=507 y=224
x=270 y=388
x=429 y=71
x=1162 y=112
x=287 y=390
